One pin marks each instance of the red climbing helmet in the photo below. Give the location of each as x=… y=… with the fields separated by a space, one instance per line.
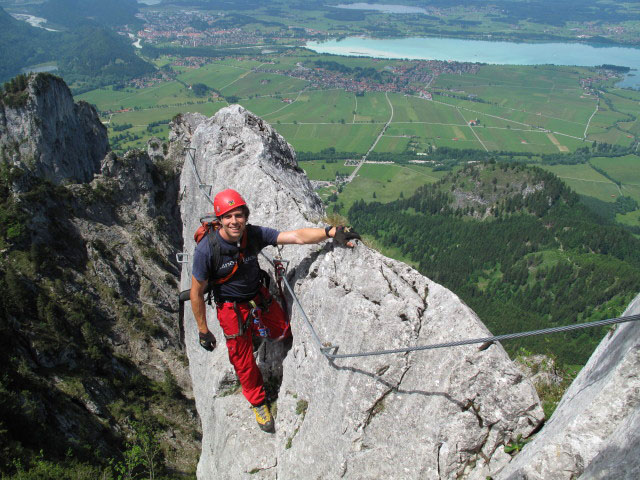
x=226 y=201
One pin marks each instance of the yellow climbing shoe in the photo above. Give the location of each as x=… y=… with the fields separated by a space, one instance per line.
x=263 y=417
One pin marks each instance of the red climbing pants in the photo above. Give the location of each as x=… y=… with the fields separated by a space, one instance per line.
x=241 y=348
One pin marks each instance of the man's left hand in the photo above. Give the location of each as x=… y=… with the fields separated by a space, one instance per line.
x=207 y=341
x=343 y=236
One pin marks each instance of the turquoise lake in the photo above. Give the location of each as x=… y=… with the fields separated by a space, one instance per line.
x=482 y=51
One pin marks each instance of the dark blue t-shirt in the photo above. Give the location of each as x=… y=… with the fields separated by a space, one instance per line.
x=244 y=284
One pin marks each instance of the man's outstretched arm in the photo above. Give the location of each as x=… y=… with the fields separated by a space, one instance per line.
x=316 y=235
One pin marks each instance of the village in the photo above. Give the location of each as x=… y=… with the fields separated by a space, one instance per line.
x=199 y=29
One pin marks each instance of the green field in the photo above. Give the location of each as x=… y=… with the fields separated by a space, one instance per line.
x=631 y=219
x=528 y=109
x=586 y=181
x=316 y=137
x=215 y=75
x=371 y=106
x=392 y=144
x=414 y=109
x=626 y=171
x=256 y=84
x=169 y=93
x=317 y=106
x=317 y=170
x=387 y=182
x=541 y=96
x=623 y=169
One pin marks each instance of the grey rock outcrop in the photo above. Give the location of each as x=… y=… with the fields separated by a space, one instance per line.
x=435 y=414
x=594 y=432
x=127 y=218
x=97 y=307
x=50 y=136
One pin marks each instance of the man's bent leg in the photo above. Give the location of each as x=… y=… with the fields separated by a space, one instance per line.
x=240 y=351
x=241 y=357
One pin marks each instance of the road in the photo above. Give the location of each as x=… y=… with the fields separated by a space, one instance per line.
x=589 y=122
x=364 y=158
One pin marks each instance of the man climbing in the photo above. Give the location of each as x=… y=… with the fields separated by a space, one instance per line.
x=244 y=306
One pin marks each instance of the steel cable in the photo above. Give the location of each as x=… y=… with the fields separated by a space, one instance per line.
x=195 y=172
x=497 y=338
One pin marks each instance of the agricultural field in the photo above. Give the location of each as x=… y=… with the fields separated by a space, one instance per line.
x=586 y=181
x=317 y=137
x=621 y=178
x=215 y=75
x=318 y=170
x=385 y=183
x=624 y=170
x=257 y=84
x=391 y=144
x=371 y=107
x=631 y=219
x=316 y=106
x=157 y=96
x=413 y=109
x=539 y=109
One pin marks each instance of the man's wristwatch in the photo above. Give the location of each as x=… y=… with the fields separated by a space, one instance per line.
x=327 y=229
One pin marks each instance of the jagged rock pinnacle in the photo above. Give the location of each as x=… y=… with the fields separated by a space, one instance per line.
x=50 y=136
x=437 y=414
x=595 y=430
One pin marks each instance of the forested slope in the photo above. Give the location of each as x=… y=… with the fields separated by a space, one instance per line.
x=515 y=243
x=87 y=54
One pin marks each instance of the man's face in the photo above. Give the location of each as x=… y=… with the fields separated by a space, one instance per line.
x=233 y=224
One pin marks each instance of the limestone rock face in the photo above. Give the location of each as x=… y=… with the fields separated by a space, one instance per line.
x=51 y=136
x=595 y=430
x=106 y=246
x=434 y=414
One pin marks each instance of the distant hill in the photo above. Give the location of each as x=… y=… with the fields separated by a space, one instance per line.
x=97 y=56
x=77 y=12
x=19 y=43
x=517 y=245
x=88 y=53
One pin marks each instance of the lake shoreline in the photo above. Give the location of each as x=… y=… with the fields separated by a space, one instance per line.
x=603 y=43
x=490 y=52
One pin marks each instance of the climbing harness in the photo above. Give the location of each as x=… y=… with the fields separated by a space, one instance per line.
x=256 y=314
x=330 y=352
x=243 y=324
x=209 y=224
x=256 y=307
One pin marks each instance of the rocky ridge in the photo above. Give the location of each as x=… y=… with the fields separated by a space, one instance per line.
x=96 y=349
x=595 y=429
x=49 y=135
x=436 y=414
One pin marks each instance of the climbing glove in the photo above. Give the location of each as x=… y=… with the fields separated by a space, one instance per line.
x=344 y=234
x=207 y=341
